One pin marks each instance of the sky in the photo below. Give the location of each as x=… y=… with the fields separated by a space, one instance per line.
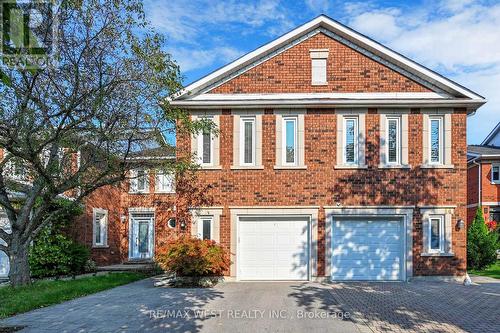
x=459 y=39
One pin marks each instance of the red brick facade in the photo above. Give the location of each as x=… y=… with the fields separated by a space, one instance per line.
x=490 y=193
x=347 y=71
x=320 y=184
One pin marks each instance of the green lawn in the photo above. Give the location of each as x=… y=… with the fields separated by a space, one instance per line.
x=492 y=271
x=43 y=293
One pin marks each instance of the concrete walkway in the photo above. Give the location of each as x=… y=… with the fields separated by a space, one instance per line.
x=229 y=307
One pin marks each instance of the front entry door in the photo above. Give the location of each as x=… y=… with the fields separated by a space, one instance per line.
x=141 y=236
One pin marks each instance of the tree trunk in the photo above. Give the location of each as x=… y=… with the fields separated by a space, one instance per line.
x=19 y=273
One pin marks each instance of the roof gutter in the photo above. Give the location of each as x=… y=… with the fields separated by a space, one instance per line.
x=471 y=105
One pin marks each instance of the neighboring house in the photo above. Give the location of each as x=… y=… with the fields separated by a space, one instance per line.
x=336 y=158
x=483 y=177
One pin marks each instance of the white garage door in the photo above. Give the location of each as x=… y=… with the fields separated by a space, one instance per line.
x=367 y=249
x=273 y=249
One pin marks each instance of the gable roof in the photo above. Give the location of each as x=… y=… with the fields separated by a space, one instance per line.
x=492 y=135
x=443 y=87
x=475 y=152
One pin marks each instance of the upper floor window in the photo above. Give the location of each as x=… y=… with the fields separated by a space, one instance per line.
x=436 y=140
x=289 y=140
x=350 y=140
x=139 y=181
x=247 y=141
x=495 y=173
x=165 y=182
x=436 y=234
x=205 y=148
x=318 y=71
x=393 y=140
x=100 y=227
x=318 y=66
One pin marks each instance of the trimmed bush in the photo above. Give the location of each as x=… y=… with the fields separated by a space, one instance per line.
x=193 y=257
x=53 y=254
x=481 y=243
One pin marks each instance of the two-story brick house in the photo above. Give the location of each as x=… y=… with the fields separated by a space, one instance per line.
x=483 y=177
x=336 y=158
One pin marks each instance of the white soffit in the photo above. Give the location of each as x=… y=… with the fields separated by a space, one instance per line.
x=338 y=31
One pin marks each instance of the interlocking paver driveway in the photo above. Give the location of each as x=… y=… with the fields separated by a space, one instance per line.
x=422 y=306
x=236 y=307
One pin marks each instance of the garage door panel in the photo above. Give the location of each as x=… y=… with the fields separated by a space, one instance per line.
x=282 y=245
x=367 y=250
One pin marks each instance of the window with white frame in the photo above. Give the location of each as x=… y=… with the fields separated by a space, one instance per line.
x=393 y=140
x=100 y=227
x=205 y=227
x=165 y=182
x=318 y=71
x=139 y=181
x=436 y=234
x=350 y=140
x=436 y=140
x=205 y=148
x=495 y=173
x=247 y=141
x=289 y=140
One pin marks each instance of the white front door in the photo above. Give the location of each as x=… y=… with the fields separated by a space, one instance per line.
x=141 y=235
x=367 y=249
x=4 y=259
x=273 y=249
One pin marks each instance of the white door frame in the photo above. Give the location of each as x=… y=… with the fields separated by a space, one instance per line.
x=131 y=239
x=404 y=213
x=268 y=219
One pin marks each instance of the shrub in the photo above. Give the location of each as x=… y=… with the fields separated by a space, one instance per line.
x=193 y=257
x=53 y=254
x=481 y=243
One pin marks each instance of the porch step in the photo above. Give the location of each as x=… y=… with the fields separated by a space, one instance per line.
x=127 y=267
x=138 y=262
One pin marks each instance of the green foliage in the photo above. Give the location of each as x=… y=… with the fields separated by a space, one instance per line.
x=481 y=244
x=44 y=293
x=193 y=257
x=54 y=254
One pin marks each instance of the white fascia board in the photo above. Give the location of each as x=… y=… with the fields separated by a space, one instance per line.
x=325 y=103
x=341 y=30
x=492 y=134
x=299 y=96
x=249 y=57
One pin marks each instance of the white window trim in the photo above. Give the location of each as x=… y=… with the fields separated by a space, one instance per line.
x=314 y=80
x=199 y=227
x=104 y=231
x=200 y=150
x=398 y=140
x=356 y=140
x=161 y=173
x=243 y=120
x=442 y=232
x=295 y=141
x=134 y=181
x=495 y=181
x=319 y=54
x=441 y=141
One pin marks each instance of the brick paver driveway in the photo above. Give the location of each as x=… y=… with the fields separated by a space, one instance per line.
x=229 y=307
x=422 y=306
